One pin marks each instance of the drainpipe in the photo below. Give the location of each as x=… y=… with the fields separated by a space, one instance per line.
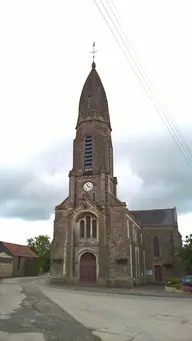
x=131 y=260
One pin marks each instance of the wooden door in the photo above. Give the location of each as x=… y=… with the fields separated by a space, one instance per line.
x=158 y=274
x=88 y=268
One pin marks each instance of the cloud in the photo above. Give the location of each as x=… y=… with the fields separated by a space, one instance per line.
x=32 y=190
x=150 y=170
x=164 y=177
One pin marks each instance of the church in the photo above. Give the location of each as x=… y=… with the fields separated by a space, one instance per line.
x=97 y=240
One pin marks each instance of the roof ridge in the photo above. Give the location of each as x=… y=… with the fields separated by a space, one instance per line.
x=14 y=243
x=20 y=250
x=153 y=209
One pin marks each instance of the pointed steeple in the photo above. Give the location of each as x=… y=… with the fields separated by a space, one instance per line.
x=93 y=103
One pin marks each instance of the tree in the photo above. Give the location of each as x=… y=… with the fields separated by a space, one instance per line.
x=186 y=254
x=41 y=245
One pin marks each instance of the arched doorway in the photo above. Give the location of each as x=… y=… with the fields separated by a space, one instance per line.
x=88 y=268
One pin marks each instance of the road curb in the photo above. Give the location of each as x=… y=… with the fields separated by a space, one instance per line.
x=95 y=290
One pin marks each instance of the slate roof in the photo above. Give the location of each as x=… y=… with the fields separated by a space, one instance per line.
x=20 y=250
x=158 y=217
x=93 y=99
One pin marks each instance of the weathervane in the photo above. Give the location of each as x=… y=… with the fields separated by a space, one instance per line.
x=93 y=52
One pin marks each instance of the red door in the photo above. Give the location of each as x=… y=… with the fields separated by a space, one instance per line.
x=158 y=274
x=88 y=268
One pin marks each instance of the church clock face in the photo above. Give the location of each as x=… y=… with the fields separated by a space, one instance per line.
x=88 y=186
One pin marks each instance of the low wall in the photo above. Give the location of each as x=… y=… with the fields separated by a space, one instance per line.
x=173 y=289
x=178 y=291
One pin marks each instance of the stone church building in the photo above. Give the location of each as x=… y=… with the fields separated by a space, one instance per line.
x=96 y=238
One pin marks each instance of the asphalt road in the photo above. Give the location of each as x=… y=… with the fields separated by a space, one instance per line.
x=31 y=310
x=29 y=315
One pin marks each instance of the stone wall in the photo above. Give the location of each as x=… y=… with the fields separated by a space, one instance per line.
x=167 y=257
x=118 y=247
x=6 y=265
x=101 y=133
x=18 y=266
x=59 y=243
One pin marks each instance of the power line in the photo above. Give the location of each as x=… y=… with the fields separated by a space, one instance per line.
x=179 y=143
x=152 y=97
x=116 y=15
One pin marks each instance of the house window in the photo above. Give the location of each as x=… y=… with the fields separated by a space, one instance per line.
x=82 y=229
x=156 y=246
x=88 y=227
x=88 y=152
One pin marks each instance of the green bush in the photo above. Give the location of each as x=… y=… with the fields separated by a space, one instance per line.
x=175 y=281
x=40 y=270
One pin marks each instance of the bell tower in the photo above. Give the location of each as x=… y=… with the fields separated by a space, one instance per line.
x=92 y=171
x=90 y=242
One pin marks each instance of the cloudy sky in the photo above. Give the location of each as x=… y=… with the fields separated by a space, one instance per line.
x=44 y=59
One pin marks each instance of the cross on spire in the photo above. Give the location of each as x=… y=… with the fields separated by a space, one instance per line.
x=93 y=52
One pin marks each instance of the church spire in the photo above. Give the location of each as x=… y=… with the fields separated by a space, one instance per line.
x=93 y=65
x=93 y=104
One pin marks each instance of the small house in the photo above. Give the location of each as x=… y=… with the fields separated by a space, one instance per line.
x=17 y=260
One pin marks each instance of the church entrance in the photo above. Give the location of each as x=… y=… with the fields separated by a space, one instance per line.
x=158 y=274
x=88 y=268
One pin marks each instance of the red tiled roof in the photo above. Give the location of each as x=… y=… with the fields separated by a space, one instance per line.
x=20 y=250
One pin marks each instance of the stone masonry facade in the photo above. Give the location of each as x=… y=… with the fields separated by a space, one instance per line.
x=97 y=240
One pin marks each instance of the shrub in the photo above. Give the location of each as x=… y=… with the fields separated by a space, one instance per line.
x=40 y=270
x=175 y=281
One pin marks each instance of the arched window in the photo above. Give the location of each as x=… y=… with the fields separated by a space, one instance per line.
x=88 y=152
x=156 y=246
x=137 y=262
x=94 y=228
x=82 y=229
x=88 y=227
